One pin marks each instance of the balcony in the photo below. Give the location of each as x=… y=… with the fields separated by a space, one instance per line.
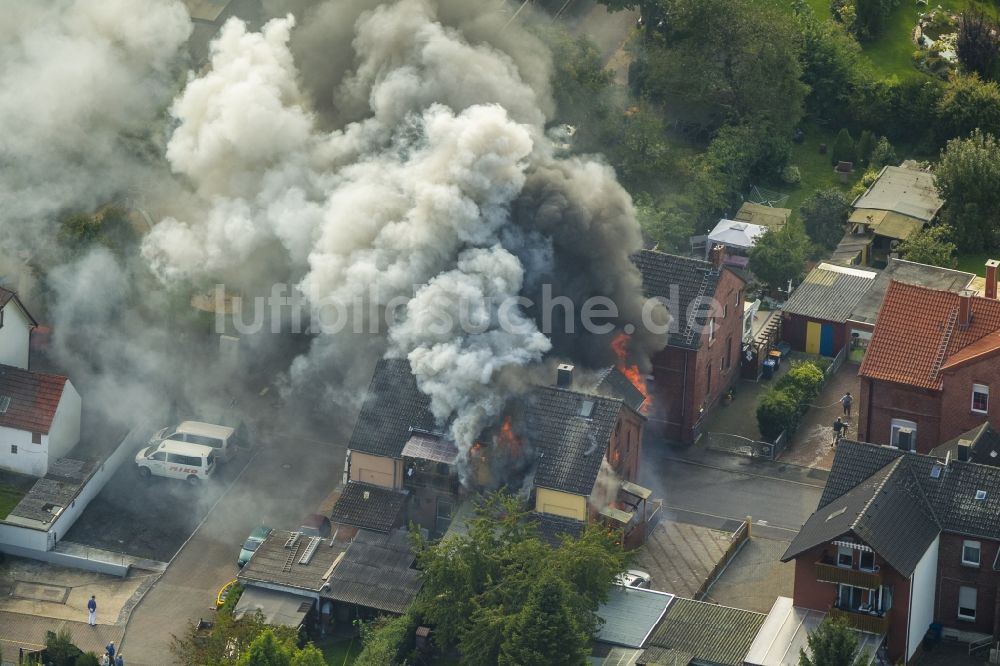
x=873 y=624
x=831 y=573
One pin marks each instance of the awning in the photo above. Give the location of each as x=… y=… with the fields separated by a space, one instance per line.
x=636 y=489
x=280 y=609
x=617 y=515
x=851 y=544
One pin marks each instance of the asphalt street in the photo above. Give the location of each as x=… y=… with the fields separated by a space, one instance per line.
x=720 y=490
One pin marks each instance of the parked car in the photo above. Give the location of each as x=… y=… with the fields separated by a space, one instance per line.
x=252 y=543
x=221 y=438
x=177 y=460
x=634 y=578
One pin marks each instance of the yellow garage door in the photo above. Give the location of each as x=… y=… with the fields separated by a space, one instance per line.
x=813 y=331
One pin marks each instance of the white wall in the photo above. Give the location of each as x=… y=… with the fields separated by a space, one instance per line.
x=64 y=433
x=18 y=537
x=14 y=337
x=922 y=597
x=30 y=458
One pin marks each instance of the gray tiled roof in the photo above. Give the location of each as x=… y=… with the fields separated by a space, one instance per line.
x=368 y=506
x=275 y=564
x=657 y=656
x=713 y=634
x=612 y=383
x=57 y=489
x=551 y=529
x=630 y=615
x=949 y=490
x=376 y=573
x=888 y=511
x=392 y=406
x=692 y=281
x=828 y=293
x=984 y=443
x=935 y=277
x=571 y=445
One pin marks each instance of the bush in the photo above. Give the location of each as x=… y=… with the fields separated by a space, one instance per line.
x=782 y=407
x=843 y=148
x=864 y=147
x=883 y=154
x=791 y=175
x=385 y=640
x=777 y=411
x=803 y=382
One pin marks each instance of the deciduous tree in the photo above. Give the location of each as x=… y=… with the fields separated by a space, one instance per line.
x=545 y=631
x=969 y=103
x=968 y=179
x=824 y=214
x=780 y=256
x=833 y=643
x=977 y=45
x=932 y=246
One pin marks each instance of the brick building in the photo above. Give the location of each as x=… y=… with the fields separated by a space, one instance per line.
x=930 y=366
x=901 y=540
x=704 y=349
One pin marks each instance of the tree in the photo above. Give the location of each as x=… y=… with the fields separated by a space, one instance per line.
x=266 y=650
x=59 y=648
x=870 y=17
x=969 y=103
x=779 y=256
x=843 y=147
x=977 y=46
x=831 y=65
x=931 y=246
x=545 y=631
x=663 y=222
x=384 y=639
x=640 y=156
x=883 y=154
x=864 y=147
x=833 y=643
x=968 y=179
x=109 y=227
x=824 y=214
x=310 y=655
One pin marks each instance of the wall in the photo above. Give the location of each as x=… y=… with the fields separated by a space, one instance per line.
x=922 y=606
x=952 y=575
x=956 y=397
x=880 y=402
x=625 y=447
x=561 y=504
x=376 y=470
x=30 y=458
x=14 y=337
x=67 y=560
x=64 y=433
x=793 y=331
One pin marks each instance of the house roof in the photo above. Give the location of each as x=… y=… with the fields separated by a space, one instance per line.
x=909 y=272
x=613 y=384
x=829 y=292
x=278 y=608
x=551 y=529
x=765 y=216
x=52 y=493
x=735 y=233
x=279 y=561
x=983 y=442
x=430 y=446
x=630 y=615
x=376 y=573
x=917 y=334
x=657 y=656
x=6 y=296
x=683 y=283
x=392 y=406
x=950 y=490
x=34 y=398
x=716 y=634
x=887 y=511
x=368 y=506
x=571 y=443
x=906 y=191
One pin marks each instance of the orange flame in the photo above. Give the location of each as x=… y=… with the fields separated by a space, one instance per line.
x=619 y=345
x=508 y=439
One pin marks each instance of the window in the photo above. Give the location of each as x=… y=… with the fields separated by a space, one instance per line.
x=739 y=297
x=711 y=329
x=867 y=560
x=967 y=603
x=36 y=438
x=903 y=434
x=845 y=557
x=850 y=597
x=159 y=455
x=13 y=448
x=725 y=310
x=970 y=553
x=980 y=398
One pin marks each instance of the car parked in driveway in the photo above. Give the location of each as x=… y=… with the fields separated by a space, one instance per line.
x=252 y=543
x=221 y=438
x=177 y=460
x=634 y=578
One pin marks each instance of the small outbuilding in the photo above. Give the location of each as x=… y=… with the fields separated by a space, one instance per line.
x=815 y=316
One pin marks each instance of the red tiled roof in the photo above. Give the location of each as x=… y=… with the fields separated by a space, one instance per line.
x=34 y=398
x=916 y=335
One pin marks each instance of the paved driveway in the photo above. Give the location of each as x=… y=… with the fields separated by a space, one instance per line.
x=285 y=479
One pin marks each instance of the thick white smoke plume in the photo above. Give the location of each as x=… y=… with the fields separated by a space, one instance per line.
x=429 y=182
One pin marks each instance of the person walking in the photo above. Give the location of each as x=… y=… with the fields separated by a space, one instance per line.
x=839 y=427
x=92 y=611
x=111 y=651
x=119 y=660
x=847 y=401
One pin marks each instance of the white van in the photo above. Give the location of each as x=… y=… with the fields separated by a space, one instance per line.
x=177 y=460
x=220 y=438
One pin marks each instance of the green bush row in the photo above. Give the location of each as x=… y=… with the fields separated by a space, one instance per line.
x=781 y=408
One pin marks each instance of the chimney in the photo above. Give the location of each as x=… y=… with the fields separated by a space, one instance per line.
x=963 y=451
x=716 y=256
x=991 y=278
x=965 y=308
x=564 y=375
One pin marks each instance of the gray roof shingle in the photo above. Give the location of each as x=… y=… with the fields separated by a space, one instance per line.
x=866 y=309
x=686 y=284
x=376 y=573
x=570 y=443
x=714 y=634
x=829 y=293
x=391 y=408
x=983 y=442
x=368 y=506
x=612 y=383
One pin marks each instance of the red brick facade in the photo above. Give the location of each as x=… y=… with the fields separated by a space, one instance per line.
x=953 y=574
x=940 y=415
x=689 y=382
x=625 y=447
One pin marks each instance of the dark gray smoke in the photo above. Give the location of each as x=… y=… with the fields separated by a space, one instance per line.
x=396 y=153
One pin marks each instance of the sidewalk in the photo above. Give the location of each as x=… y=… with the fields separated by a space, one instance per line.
x=811 y=444
x=28 y=631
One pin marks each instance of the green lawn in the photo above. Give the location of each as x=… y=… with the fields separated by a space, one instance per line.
x=974 y=263
x=9 y=497
x=340 y=651
x=817 y=172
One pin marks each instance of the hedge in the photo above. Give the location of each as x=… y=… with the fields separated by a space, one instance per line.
x=782 y=407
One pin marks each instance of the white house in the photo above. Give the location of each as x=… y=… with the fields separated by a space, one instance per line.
x=15 y=330
x=39 y=419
